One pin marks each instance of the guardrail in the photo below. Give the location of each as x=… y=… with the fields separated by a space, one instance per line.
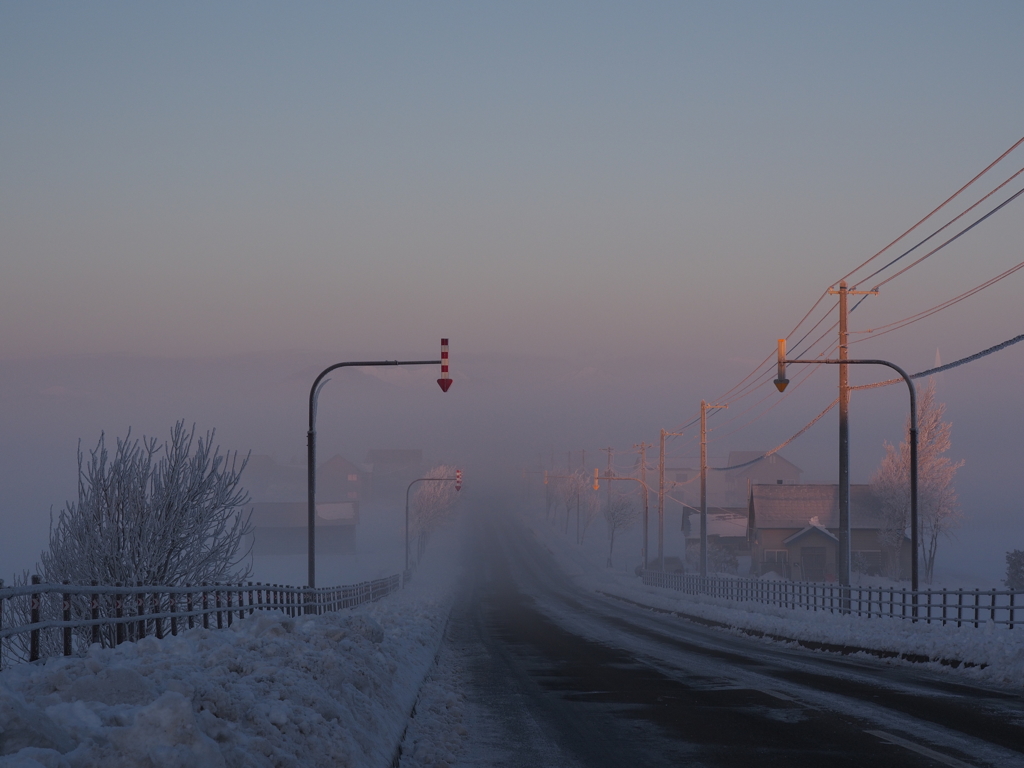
x=962 y=607
x=39 y=620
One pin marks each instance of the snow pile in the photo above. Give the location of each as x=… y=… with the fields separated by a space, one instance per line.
x=990 y=653
x=331 y=690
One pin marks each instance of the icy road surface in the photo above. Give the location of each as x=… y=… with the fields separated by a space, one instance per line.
x=555 y=675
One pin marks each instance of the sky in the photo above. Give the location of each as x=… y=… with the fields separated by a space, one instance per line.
x=613 y=211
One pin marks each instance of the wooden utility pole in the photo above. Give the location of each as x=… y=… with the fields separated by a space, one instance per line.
x=609 y=452
x=843 y=554
x=704 y=485
x=661 y=502
x=642 y=448
x=661 y=497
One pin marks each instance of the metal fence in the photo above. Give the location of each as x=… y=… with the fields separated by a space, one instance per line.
x=960 y=607
x=39 y=620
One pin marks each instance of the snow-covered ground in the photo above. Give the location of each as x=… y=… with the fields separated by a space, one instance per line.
x=333 y=690
x=990 y=654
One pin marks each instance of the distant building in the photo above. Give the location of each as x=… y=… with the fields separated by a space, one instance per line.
x=280 y=515
x=728 y=541
x=794 y=531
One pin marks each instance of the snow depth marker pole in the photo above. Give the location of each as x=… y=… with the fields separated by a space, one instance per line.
x=445 y=381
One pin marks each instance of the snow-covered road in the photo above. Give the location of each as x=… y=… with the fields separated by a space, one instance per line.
x=555 y=674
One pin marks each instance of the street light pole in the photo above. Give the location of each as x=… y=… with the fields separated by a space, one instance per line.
x=458 y=487
x=914 y=538
x=314 y=394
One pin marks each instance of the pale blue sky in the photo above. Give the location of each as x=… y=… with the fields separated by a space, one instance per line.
x=650 y=193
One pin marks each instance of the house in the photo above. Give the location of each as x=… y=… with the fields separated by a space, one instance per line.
x=794 y=529
x=728 y=540
x=280 y=506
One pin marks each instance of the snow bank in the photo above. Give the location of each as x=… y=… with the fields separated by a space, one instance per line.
x=436 y=734
x=990 y=653
x=331 y=690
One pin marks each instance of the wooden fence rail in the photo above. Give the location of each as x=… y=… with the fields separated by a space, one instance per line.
x=39 y=620
x=961 y=607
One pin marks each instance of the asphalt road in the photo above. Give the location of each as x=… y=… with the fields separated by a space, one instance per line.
x=559 y=676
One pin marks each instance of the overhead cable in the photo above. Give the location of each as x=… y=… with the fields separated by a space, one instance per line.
x=935 y=210
x=933 y=234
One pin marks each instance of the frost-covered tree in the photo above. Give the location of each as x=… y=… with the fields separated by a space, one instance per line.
x=433 y=503
x=569 y=489
x=938 y=509
x=166 y=514
x=620 y=514
x=1015 y=569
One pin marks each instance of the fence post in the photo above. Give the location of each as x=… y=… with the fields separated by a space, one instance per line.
x=1013 y=592
x=190 y=607
x=140 y=610
x=251 y=593
x=220 y=615
x=157 y=621
x=206 y=616
x=1 y=627
x=66 y=598
x=95 y=605
x=119 y=615
x=172 y=604
x=34 y=609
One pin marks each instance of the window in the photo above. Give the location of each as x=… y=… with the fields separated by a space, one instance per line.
x=778 y=482
x=780 y=556
x=353 y=478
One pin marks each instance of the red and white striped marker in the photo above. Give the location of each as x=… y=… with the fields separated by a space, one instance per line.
x=458 y=479
x=445 y=381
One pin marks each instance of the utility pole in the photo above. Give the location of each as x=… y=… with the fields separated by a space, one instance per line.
x=609 y=452
x=704 y=485
x=661 y=502
x=843 y=554
x=642 y=448
x=661 y=497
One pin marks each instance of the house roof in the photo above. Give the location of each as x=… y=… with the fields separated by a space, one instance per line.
x=793 y=506
x=806 y=531
x=722 y=521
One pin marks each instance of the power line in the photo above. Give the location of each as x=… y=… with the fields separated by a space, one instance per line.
x=959 y=234
x=933 y=234
x=948 y=366
x=897 y=324
x=920 y=375
x=935 y=210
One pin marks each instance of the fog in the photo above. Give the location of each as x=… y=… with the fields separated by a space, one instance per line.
x=500 y=417
x=613 y=213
